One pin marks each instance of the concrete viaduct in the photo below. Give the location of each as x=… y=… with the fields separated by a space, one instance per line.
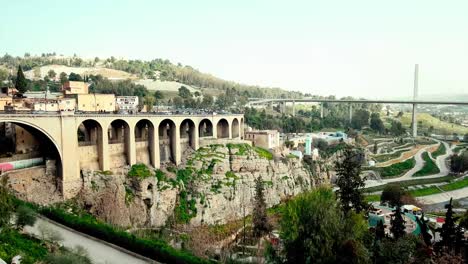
x=414 y=103
x=106 y=141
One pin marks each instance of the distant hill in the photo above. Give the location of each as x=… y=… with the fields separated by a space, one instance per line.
x=108 y=73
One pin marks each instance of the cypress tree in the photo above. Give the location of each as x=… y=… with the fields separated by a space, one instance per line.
x=379 y=231
x=349 y=181
x=398 y=224
x=448 y=231
x=21 y=83
x=424 y=230
x=259 y=215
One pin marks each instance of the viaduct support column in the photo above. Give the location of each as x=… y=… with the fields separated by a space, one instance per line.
x=130 y=145
x=414 y=121
x=176 y=141
x=321 y=110
x=195 y=138
x=214 y=126
x=103 y=145
x=154 y=147
x=71 y=180
x=350 y=113
x=294 y=108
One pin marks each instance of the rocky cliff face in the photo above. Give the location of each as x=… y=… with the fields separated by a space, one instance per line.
x=215 y=185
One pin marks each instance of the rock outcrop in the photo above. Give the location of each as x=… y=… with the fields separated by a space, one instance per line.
x=214 y=186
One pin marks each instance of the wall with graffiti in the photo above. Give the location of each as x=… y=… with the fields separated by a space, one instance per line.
x=20 y=164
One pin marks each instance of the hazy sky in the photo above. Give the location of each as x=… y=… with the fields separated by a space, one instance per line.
x=360 y=48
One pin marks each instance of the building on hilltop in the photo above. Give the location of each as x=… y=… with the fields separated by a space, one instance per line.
x=75 y=87
x=127 y=103
x=95 y=102
x=59 y=105
x=267 y=139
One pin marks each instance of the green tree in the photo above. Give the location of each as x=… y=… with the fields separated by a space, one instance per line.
x=149 y=102
x=315 y=230
x=75 y=77
x=184 y=92
x=158 y=95
x=397 y=223
x=379 y=230
x=349 y=181
x=360 y=119
x=197 y=94
x=397 y=128
x=207 y=102
x=392 y=195
x=51 y=74
x=422 y=223
x=448 y=232
x=178 y=102
x=6 y=203
x=376 y=123
x=261 y=226
x=465 y=137
x=3 y=75
x=63 y=77
x=25 y=216
x=21 y=82
x=376 y=148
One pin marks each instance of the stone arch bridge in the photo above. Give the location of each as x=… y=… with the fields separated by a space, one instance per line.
x=105 y=141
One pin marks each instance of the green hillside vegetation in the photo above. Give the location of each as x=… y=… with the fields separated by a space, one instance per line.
x=439 y=152
x=429 y=167
x=396 y=169
x=408 y=183
x=166 y=70
x=387 y=157
x=440 y=127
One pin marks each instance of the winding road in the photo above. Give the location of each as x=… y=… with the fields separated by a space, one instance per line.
x=440 y=162
x=100 y=252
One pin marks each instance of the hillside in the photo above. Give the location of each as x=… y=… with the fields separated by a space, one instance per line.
x=105 y=72
x=439 y=126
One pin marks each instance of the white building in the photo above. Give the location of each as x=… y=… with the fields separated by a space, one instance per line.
x=127 y=103
x=62 y=105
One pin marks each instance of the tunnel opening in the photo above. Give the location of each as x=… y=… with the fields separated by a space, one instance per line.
x=167 y=141
x=222 y=128
x=205 y=128
x=187 y=134
x=144 y=142
x=90 y=144
x=235 y=128
x=119 y=143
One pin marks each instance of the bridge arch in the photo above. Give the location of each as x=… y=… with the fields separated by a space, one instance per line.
x=46 y=150
x=188 y=133
x=222 y=128
x=205 y=128
x=167 y=132
x=145 y=142
x=235 y=128
x=90 y=144
x=119 y=139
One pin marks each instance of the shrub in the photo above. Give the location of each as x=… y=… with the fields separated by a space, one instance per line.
x=13 y=243
x=25 y=216
x=263 y=153
x=154 y=249
x=139 y=171
x=429 y=167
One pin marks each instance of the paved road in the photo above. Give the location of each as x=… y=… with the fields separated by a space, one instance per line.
x=100 y=253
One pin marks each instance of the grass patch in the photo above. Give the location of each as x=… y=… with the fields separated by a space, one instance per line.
x=425 y=191
x=429 y=167
x=372 y=198
x=439 y=151
x=387 y=157
x=411 y=183
x=455 y=185
x=263 y=153
x=13 y=243
x=396 y=169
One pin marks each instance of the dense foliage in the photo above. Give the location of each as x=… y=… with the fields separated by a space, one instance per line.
x=154 y=249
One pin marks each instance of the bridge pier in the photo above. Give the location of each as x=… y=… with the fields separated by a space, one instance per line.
x=414 y=121
x=154 y=147
x=176 y=147
x=350 y=113
x=321 y=110
x=294 y=108
x=130 y=146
